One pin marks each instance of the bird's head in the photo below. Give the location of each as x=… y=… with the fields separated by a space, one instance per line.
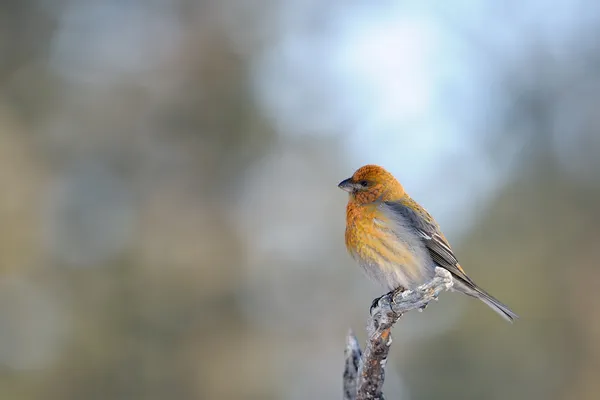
x=371 y=183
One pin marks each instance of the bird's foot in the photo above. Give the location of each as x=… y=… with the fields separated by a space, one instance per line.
x=375 y=303
x=390 y=295
x=396 y=292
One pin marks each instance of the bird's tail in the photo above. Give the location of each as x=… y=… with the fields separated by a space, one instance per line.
x=473 y=290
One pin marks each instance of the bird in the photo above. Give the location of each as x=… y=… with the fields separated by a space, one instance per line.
x=397 y=242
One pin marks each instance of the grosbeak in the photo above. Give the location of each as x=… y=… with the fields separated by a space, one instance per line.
x=396 y=241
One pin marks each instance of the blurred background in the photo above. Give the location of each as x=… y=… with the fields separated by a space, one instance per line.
x=170 y=225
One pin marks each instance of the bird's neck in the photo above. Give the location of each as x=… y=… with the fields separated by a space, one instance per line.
x=378 y=194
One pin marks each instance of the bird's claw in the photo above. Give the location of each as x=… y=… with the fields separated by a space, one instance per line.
x=375 y=303
x=391 y=295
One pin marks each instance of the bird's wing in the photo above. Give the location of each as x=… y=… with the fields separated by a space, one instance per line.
x=413 y=217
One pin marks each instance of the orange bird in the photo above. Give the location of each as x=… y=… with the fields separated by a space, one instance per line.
x=396 y=241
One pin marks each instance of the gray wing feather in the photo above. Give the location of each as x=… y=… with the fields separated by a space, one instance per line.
x=429 y=232
x=425 y=227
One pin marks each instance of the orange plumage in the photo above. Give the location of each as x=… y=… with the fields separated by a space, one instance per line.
x=396 y=241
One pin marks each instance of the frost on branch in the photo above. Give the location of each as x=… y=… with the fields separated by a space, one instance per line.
x=364 y=373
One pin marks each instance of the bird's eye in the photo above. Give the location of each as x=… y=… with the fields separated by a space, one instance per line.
x=364 y=183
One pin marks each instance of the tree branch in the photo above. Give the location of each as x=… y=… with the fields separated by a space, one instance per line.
x=352 y=354
x=364 y=375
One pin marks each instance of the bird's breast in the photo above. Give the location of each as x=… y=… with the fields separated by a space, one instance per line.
x=388 y=253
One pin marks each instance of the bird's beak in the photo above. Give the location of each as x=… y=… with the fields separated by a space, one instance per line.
x=347 y=185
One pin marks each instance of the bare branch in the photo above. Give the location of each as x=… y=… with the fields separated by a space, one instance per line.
x=352 y=355
x=389 y=308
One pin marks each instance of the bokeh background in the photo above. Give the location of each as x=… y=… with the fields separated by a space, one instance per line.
x=170 y=225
